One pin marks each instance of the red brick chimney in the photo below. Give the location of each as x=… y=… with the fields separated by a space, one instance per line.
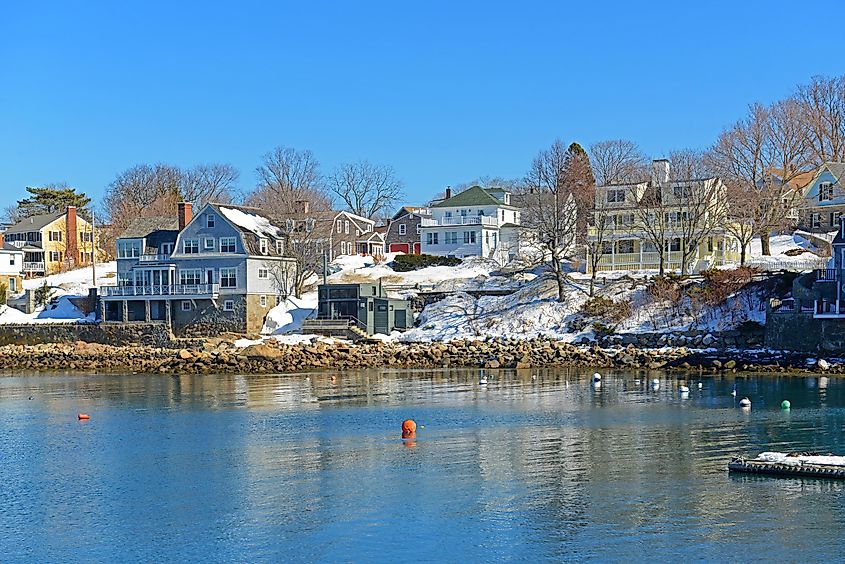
x=185 y=213
x=448 y=192
x=302 y=206
x=2 y=240
x=72 y=244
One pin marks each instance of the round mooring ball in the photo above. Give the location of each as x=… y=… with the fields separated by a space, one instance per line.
x=785 y=404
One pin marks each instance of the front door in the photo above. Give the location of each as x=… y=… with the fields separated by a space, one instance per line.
x=209 y=276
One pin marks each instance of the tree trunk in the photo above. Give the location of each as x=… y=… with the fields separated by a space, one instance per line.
x=764 y=243
x=592 y=282
x=742 y=255
x=559 y=277
x=661 y=270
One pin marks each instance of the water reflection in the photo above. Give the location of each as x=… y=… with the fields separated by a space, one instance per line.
x=534 y=464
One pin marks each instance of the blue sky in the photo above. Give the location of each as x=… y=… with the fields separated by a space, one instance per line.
x=442 y=91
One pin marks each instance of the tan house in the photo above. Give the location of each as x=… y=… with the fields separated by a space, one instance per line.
x=54 y=242
x=336 y=233
x=11 y=268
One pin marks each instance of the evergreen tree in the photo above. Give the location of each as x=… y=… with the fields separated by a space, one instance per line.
x=49 y=199
x=578 y=175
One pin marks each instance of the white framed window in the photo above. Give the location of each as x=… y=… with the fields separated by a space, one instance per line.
x=55 y=256
x=814 y=220
x=54 y=236
x=166 y=248
x=13 y=284
x=448 y=215
x=128 y=249
x=208 y=244
x=262 y=246
x=190 y=277
x=263 y=273
x=432 y=238
x=834 y=218
x=12 y=260
x=280 y=247
x=186 y=305
x=681 y=192
x=339 y=226
x=451 y=237
x=191 y=246
x=346 y=227
x=229 y=305
x=228 y=277
x=825 y=192
x=403 y=229
x=615 y=196
x=419 y=228
x=263 y=300
x=343 y=247
x=469 y=237
x=227 y=245
x=209 y=220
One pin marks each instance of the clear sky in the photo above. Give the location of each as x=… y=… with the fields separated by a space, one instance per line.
x=443 y=91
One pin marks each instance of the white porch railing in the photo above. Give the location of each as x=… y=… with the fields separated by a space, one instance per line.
x=459 y=220
x=192 y=290
x=154 y=258
x=33 y=267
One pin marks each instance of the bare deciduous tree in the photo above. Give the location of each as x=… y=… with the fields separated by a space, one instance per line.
x=599 y=231
x=287 y=176
x=822 y=104
x=618 y=161
x=142 y=191
x=210 y=183
x=365 y=188
x=550 y=208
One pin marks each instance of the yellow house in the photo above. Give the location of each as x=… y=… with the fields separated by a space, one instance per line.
x=54 y=242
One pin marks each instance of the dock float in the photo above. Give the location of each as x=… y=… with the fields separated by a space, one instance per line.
x=788 y=466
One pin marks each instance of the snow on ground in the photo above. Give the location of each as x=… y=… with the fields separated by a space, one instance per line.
x=64 y=287
x=786 y=250
x=289 y=315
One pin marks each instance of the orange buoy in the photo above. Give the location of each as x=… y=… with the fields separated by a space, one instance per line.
x=83 y=416
x=409 y=429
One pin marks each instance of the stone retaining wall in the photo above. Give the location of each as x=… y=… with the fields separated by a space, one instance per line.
x=799 y=331
x=119 y=334
x=751 y=338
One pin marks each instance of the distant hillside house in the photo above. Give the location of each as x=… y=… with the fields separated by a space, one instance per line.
x=54 y=242
x=628 y=246
x=11 y=267
x=404 y=230
x=222 y=269
x=337 y=233
x=477 y=222
x=823 y=200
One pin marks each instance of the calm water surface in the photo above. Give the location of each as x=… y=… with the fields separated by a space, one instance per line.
x=289 y=468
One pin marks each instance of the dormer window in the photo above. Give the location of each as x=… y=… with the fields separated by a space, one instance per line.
x=615 y=196
x=262 y=246
x=280 y=247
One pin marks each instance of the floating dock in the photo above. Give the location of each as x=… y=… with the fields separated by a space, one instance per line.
x=794 y=469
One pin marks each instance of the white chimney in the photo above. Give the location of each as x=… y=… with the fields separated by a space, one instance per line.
x=660 y=171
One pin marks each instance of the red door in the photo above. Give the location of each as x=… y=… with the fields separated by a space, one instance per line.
x=417 y=250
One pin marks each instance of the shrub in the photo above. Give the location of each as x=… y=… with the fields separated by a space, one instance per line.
x=43 y=295
x=4 y=293
x=602 y=330
x=607 y=309
x=406 y=263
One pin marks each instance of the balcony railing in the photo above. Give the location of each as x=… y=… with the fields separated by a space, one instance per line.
x=826 y=274
x=175 y=290
x=460 y=220
x=154 y=258
x=33 y=267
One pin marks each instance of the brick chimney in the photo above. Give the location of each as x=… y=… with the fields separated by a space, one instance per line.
x=302 y=206
x=448 y=192
x=185 y=213
x=2 y=240
x=71 y=232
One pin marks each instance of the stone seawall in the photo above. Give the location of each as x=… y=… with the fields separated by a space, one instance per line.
x=752 y=337
x=221 y=356
x=799 y=331
x=119 y=334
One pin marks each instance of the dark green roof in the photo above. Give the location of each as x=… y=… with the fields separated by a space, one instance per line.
x=475 y=196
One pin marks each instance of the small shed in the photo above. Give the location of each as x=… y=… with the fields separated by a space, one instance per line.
x=367 y=305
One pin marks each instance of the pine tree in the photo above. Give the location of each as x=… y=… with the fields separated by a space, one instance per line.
x=578 y=175
x=49 y=199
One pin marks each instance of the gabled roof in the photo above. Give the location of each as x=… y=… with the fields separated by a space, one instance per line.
x=837 y=169
x=35 y=222
x=409 y=210
x=251 y=220
x=144 y=226
x=475 y=196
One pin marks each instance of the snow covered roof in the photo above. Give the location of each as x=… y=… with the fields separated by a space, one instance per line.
x=252 y=220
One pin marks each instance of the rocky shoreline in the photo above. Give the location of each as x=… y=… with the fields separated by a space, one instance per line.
x=222 y=356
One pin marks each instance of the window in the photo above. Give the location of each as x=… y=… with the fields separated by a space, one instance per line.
x=649 y=247
x=825 y=192
x=403 y=229
x=469 y=237
x=626 y=246
x=85 y=237
x=451 y=237
x=834 y=218
x=710 y=244
x=449 y=214
x=186 y=305
x=503 y=215
x=674 y=244
x=54 y=236
x=209 y=244
x=13 y=284
x=343 y=247
x=464 y=213
x=346 y=227
x=190 y=277
x=339 y=226
x=418 y=228
x=615 y=196
x=228 y=277
x=166 y=248
x=681 y=192
x=814 y=220
x=191 y=246
x=229 y=305
x=262 y=246
x=209 y=220
x=606 y=247
x=487 y=238
x=263 y=300
x=12 y=260
x=55 y=256
x=280 y=247
x=431 y=238
x=227 y=245
x=263 y=273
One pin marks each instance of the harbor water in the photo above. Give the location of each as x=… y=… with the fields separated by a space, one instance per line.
x=537 y=465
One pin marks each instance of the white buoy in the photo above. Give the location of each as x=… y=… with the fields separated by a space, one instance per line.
x=596 y=377
x=684 y=395
x=656 y=381
x=597 y=385
x=700 y=385
x=483 y=380
x=684 y=389
x=745 y=403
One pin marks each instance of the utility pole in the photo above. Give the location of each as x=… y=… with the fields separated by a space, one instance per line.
x=93 y=252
